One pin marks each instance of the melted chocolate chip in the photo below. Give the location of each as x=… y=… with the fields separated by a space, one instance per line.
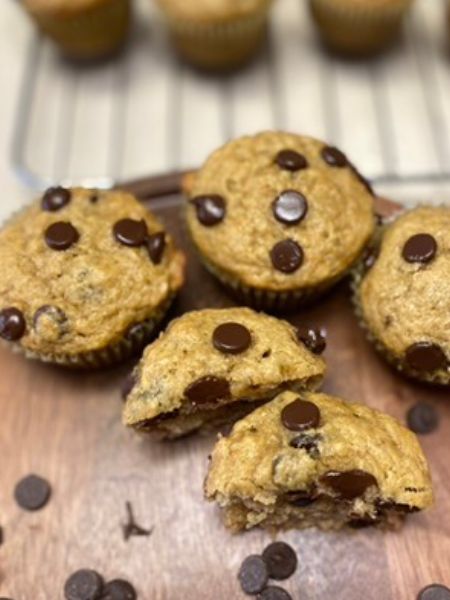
x=119 y=589
x=281 y=560
x=83 y=585
x=420 y=248
x=61 y=236
x=156 y=244
x=307 y=442
x=130 y=232
x=32 y=492
x=273 y=592
x=435 y=591
x=289 y=160
x=348 y=485
x=290 y=207
x=423 y=418
x=253 y=575
x=300 y=415
x=210 y=209
x=55 y=198
x=300 y=499
x=314 y=339
x=12 y=324
x=287 y=256
x=334 y=157
x=426 y=357
x=232 y=338
x=208 y=390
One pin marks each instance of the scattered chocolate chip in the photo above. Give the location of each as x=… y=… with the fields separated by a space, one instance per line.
x=420 y=248
x=287 y=256
x=253 y=575
x=61 y=236
x=156 y=244
x=307 y=442
x=273 y=592
x=300 y=499
x=130 y=232
x=119 y=589
x=426 y=357
x=131 y=528
x=289 y=160
x=423 y=418
x=12 y=324
x=334 y=157
x=210 y=209
x=84 y=584
x=231 y=338
x=55 y=198
x=435 y=591
x=281 y=560
x=128 y=385
x=349 y=485
x=32 y=493
x=314 y=339
x=290 y=207
x=207 y=390
x=300 y=415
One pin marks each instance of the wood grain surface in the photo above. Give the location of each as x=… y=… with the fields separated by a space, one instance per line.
x=66 y=427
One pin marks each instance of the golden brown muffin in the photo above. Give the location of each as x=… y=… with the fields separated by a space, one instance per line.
x=86 y=276
x=317 y=461
x=212 y=366
x=216 y=34
x=359 y=27
x=402 y=294
x=83 y=29
x=279 y=218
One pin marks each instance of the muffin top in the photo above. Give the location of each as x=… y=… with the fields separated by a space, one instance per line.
x=279 y=211
x=212 y=10
x=307 y=443
x=405 y=296
x=211 y=357
x=80 y=267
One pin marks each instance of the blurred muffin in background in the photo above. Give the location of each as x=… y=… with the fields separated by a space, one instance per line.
x=83 y=29
x=359 y=27
x=216 y=34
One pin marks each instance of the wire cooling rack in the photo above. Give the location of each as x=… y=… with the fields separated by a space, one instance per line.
x=146 y=113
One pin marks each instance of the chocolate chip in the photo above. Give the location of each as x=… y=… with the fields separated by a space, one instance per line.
x=55 y=198
x=334 y=157
x=32 y=493
x=290 y=207
x=156 y=244
x=253 y=575
x=119 y=589
x=273 y=592
x=300 y=499
x=281 y=560
x=290 y=160
x=210 y=209
x=423 y=418
x=231 y=338
x=309 y=443
x=300 y=415
x=207 y=390
x=435 y=591
x=314 y=339
x=61 y=236
x=420 y=248
x=84 y=584
x=349 y=485
x=287 y=256
x=130 y=232
x=12 y=324
x=426 y=357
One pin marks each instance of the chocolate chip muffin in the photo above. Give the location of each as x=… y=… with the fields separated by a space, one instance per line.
x=311 y=460
x=402 y=294
x=87 y=275
x=212 y=366
x=279 y=218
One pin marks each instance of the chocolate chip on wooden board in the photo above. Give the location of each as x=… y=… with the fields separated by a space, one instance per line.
x=253 y=575
x=119 y=589
x=273 y=592
x=434 y=591
x=422 y=418
x=84 y=584
x=32 y=493
x=281 y=560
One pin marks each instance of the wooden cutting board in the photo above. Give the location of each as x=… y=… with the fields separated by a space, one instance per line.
x=66 y=427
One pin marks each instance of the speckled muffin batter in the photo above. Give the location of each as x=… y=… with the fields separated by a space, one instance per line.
x=212 y=366
x=311 y=460
x=403 y=299
x=86 y=275
x=278 y=217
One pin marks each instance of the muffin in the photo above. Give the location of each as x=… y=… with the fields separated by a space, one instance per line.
x=317 y=461
x=212 y=366
x=359 y=27
x=216 y=34
x=279 y=218
x=402 y=294
x=83 y=29
x=87 y=276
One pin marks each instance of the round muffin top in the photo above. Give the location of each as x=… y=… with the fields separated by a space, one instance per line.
x=79 y=267
x=279 y=211
x=405 y=295
x=207 y=11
